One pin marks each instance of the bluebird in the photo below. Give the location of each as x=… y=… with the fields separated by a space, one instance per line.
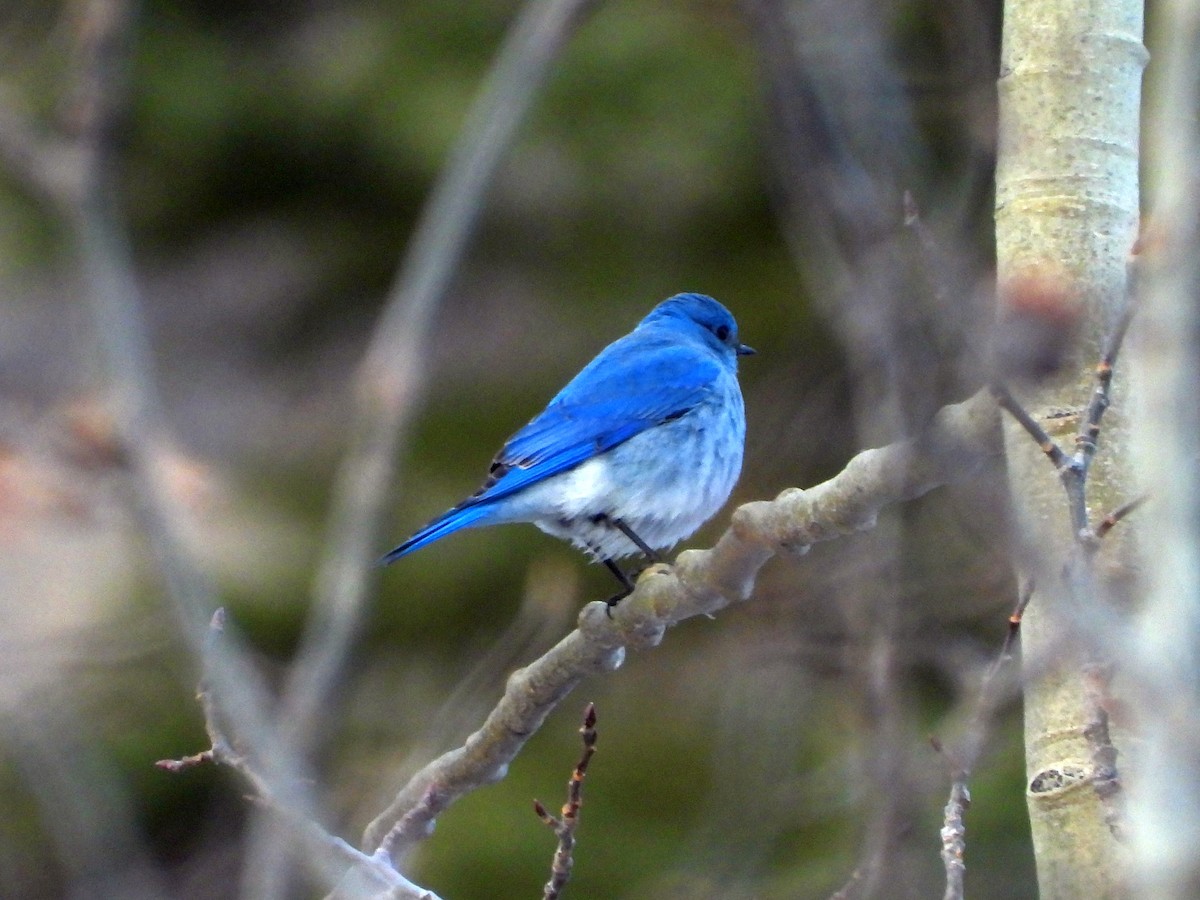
x=640 y=449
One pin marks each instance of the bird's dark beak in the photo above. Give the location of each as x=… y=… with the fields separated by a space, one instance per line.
x=743 y=350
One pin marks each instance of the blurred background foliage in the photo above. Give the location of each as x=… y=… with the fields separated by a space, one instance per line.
x=273 y=162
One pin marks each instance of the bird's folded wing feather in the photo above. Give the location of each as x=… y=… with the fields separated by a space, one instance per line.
x=618 y=395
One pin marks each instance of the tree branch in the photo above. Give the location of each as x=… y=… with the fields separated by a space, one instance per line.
x=960 y=440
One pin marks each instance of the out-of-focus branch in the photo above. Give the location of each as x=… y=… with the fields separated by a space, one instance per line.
x=391 y=378
x=103 y=37
x=328 y=855
x=1165 y=787
x=964 y=758
x=44 y=163
x=961 y=439
x=74 y=166
x=390 y=382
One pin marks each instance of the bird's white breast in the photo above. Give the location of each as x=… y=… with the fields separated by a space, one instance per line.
x=663 y=483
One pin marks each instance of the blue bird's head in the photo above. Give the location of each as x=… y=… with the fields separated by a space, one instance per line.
x=703 y=315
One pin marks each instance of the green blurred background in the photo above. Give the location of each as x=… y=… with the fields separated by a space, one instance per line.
x=273 y=163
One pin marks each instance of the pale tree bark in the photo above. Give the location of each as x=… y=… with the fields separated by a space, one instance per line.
x=1066 y=218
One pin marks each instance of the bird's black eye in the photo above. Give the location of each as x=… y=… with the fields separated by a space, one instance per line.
x=722 y=332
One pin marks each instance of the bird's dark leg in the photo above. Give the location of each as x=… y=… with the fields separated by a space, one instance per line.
x=626 y=582
x=626 y=585
x=649 y=553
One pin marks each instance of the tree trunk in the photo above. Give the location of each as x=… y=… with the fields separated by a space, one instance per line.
x=1066 y=217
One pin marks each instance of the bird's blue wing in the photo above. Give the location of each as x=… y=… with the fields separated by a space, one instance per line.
x=618 y=395
x=635 y=384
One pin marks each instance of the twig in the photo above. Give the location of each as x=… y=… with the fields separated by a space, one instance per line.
x=1086 y=441
x=954 y=838
x=954 y=829
x=220 y=747
x=185 y=762
x=988 y=694
x=1073 y=470
x=1110 y=521
x=216 y=629
x=564 y=828
x=1074 y=474
x=335 y=857
x=960 y=440
x=1010 y=405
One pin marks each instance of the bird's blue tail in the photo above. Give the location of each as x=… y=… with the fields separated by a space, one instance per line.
x=447 y=523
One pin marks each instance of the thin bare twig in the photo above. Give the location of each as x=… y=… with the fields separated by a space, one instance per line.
x=1073 y=470
x=217 y=744
x=564 y=828
x=989 y=696
x=1086 y=441
x=954 y=829
x=333 y=856
x=221 y=748
x=1047 y=444
x=1110 y=521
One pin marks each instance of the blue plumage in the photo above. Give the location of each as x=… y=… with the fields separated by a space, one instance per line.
x=638 y=450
